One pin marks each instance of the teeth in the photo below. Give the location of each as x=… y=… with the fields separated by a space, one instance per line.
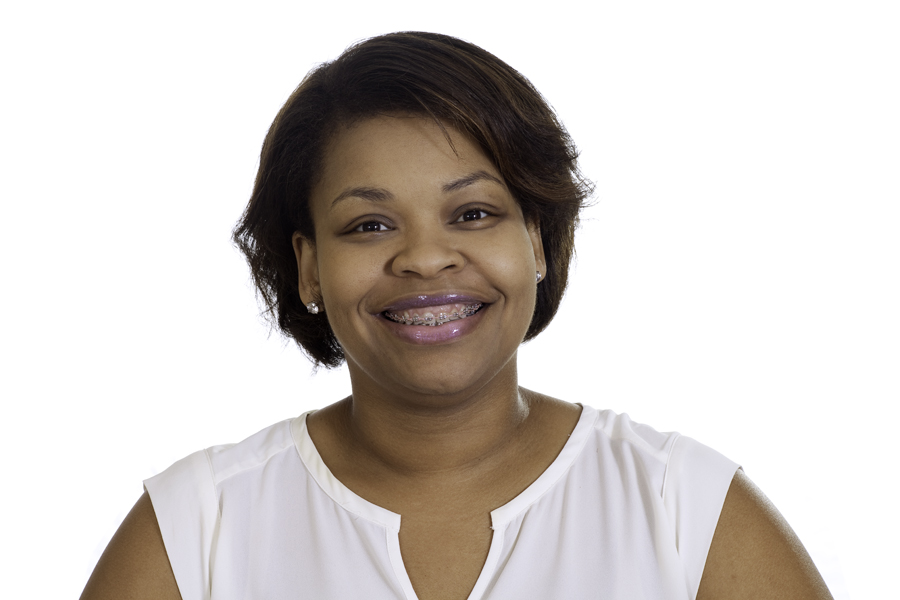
x=457 y=311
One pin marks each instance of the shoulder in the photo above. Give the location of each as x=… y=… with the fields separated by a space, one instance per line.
x=679 y=466
x=755 y=553
x=674 y=482
x=209 y=467
x=158 y=550
x=620 y=428
x=678 y=455
x=134 y=564
x=228 y=460
x=187 y=498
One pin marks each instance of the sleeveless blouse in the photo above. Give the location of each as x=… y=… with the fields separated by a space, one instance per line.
x=622 y=512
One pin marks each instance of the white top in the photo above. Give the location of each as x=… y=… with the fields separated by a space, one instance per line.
x=623 y=512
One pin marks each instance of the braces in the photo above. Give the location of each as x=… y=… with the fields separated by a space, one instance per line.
x=432 y=321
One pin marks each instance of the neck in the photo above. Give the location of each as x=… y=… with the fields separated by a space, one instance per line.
x=419 y=436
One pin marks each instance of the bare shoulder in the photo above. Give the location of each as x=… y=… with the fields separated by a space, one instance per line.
x=134 y=564
x=755 y=553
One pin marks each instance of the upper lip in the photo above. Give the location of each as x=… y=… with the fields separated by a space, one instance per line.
x=423 y=300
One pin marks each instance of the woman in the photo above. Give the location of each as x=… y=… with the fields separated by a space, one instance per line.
x=414 y=215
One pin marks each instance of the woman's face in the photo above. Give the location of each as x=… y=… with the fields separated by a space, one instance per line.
x=409 y=233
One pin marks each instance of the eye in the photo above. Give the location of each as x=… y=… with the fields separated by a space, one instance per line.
x=473 y=214
x=371 y=227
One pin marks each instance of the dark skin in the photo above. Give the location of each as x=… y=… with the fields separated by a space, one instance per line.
x=440 y=499
x=441 y=433
x=134 y=565
x=754 y=555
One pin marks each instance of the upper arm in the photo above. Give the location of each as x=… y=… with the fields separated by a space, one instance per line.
x=755 y=553
x=135 y=564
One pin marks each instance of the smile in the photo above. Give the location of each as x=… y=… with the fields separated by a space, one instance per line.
x=433 y=316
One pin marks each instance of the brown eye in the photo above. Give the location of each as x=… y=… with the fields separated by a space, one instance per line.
x=472 y=215
x=370 y=227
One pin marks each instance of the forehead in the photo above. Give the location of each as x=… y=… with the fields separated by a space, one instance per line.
x=402 y=154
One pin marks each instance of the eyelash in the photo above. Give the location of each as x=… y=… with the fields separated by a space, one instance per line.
x=359 y=228
x=462 y=218
x=482 y=212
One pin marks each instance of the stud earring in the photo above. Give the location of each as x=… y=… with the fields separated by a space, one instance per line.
x=313 y=308
x=538 y=278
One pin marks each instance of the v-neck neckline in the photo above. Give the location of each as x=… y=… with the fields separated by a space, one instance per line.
x=500 y=517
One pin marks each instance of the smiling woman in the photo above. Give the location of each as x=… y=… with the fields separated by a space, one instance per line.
x=422 y=259
x=454 y=85
x=414 y=216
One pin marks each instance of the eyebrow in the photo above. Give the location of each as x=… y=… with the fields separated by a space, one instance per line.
x=380 y=195
x=458 y=184
x=365 y=193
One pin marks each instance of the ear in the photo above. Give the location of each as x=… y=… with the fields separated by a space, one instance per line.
x=537 y=244
x=307 y=269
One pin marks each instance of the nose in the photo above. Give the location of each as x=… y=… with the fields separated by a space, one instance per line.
x=426 y=254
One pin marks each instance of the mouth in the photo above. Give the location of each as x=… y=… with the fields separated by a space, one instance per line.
x=434 y=316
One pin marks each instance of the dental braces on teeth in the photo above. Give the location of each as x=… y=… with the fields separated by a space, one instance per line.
x=430 y=320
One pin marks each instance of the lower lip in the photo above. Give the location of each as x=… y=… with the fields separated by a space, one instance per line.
x=439 y=334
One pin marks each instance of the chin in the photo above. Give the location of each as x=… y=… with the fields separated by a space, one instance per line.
x=427 y=386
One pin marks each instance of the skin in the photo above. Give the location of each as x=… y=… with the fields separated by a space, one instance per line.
x=134 y=565
x=445 y=423
x=442 y=433
x=755 y=553
x=421 y=245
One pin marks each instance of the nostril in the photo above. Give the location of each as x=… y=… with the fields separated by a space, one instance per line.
x=427 y=261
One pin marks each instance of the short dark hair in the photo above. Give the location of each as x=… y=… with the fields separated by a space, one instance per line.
x=446 y=79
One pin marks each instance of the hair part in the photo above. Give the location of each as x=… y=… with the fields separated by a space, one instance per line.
x=456 y=84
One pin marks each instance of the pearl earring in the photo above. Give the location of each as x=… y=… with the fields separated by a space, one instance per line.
x=538 y=276
x=313 y=308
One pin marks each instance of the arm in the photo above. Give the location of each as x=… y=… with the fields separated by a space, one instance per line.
x=134 y=565
x=755 y=553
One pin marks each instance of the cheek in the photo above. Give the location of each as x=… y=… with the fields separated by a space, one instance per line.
x=514 y=257
x=344 y=278
x=338 y=295
x=511 y=267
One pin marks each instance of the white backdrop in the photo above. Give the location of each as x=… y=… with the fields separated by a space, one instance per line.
x=738 y=277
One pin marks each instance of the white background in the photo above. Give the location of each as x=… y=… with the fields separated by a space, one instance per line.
x=737 y=278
